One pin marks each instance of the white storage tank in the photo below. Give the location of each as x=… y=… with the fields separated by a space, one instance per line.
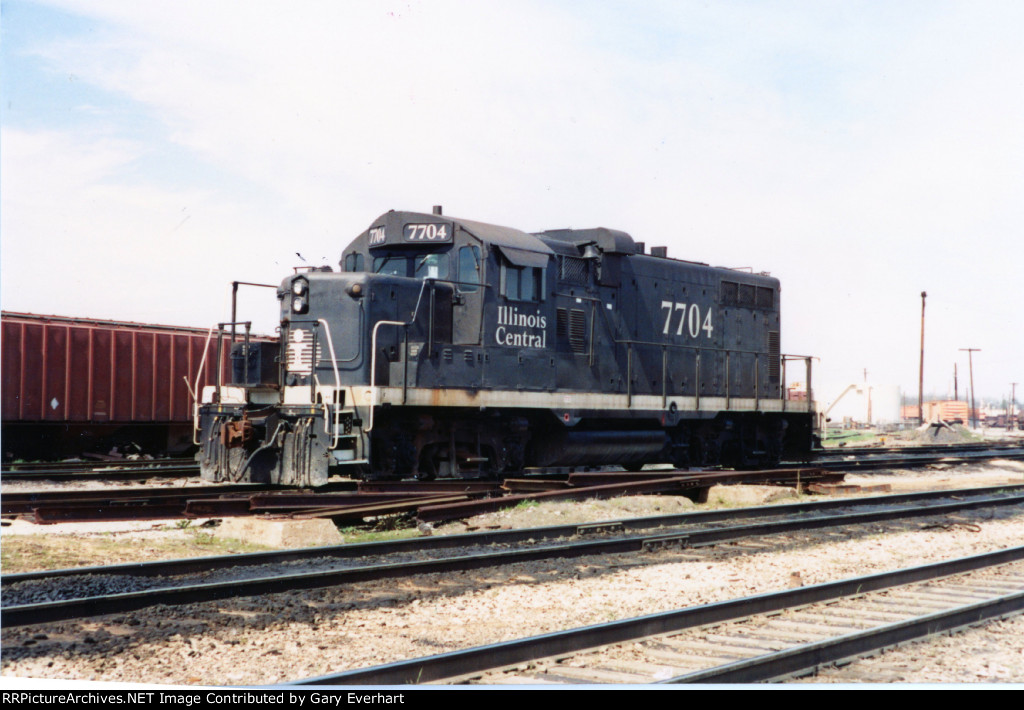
x=885 y=404
x=865 y=403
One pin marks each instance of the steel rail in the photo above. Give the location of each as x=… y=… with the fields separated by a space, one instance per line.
x=98 y=473
x=492 y=537
x=20 y=615
x=459 y=664
x=97 y=463
x=807 y=657
x=20 y=503
x=864 y=464
x=917 y=449
x=14 y=503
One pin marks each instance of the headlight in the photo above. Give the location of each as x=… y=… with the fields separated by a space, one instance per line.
x=300 y=304
x=299 y=287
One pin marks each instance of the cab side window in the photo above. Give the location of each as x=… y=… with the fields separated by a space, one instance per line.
x=522 y=283
x=354 y=262
x=469 y=268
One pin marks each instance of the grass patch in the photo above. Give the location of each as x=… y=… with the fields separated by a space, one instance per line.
x=353 y=535
x=846 y=438
x=28 y=553
x=382 y=529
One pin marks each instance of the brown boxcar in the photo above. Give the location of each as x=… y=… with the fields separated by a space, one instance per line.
x=70 y=381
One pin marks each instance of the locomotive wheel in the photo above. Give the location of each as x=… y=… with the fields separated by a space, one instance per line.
x=430 y=463
x=698 y=452
x=680 y=457
x=395 y=457
x=477 y=466
x=514 y=455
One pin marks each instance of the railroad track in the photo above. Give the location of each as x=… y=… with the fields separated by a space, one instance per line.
x=919 y=448
x=338 y=502
x=376 y=561
x=858 y=457
x=439 y=500
x=351 y=501
x=138 y=503
x=765 y=637
x=866 y=461
x=128 y=470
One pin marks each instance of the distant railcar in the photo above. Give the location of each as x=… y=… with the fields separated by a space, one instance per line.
x=73 y=385
x=448 y=347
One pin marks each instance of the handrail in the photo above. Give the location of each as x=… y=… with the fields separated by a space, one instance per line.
x=728 y=352
x=373 y=366
x=220 y=347
x=195 y=396
x=807 y=361
x=220 y=367
x=234 y=300
x=337 y=386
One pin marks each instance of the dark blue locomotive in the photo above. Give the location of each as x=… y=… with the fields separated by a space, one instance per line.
x=448 y=347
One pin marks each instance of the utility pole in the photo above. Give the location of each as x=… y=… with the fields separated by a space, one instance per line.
x=956 y=391
x=920 y=374
x=970 y=364
x=1013 y=406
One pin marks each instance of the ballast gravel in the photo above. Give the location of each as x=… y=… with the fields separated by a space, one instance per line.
x=294 y=635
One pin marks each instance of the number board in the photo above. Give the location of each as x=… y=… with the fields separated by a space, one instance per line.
x=428 y=233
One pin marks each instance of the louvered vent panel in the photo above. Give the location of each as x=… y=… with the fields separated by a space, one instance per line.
x=774 y=351
x=578 y=330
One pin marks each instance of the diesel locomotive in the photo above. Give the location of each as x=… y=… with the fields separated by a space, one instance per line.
x=446 y=347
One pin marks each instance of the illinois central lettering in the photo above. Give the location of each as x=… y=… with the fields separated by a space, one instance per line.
x=523 y=330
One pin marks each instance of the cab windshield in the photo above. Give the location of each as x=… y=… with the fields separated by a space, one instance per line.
x=420 y=266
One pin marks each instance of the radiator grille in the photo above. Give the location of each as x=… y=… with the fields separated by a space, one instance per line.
x=774 y=350
x=573 y=269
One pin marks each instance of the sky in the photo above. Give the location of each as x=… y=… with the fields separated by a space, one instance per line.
x=861 y=152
